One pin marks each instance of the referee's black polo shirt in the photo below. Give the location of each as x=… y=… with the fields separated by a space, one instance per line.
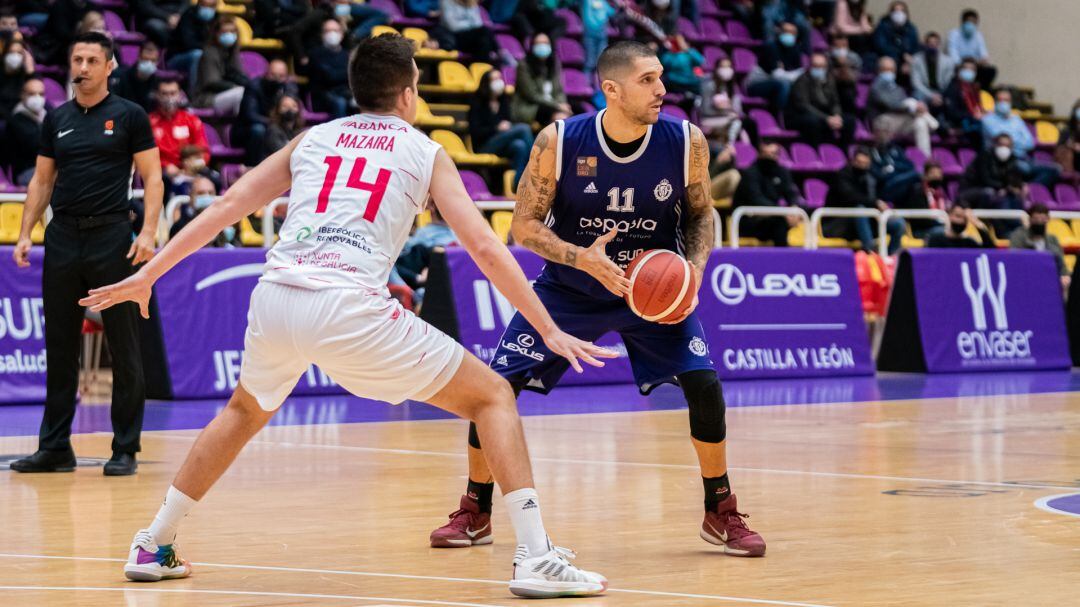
x=93 y=148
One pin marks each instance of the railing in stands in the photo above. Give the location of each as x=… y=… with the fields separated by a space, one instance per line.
x=740 y=212
x=814 y=227
x=883 y=242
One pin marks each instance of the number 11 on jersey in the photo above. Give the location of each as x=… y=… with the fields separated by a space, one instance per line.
x=376 y=189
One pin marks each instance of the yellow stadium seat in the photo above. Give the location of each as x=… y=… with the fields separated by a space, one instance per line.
x=455 y=76
x=1070 y=263
x=424 y=117
x=908 y=241
x=1076 y=227
x=230 y=9
x=248 y=41
x=10 y=221
x=249 y=237
x=508 y=184
x=459 y=153
x=478 y=70
x=379 y=30
x=745 y=241
x=796 y=236
x=1046 y=133
x=423 y=219
x=1061 y=229
x=986 y=100
x=500 y=222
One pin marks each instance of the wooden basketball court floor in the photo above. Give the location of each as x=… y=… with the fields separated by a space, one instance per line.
x=902 y=490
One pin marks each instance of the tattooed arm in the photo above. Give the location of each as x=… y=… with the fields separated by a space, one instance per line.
x=536 y=194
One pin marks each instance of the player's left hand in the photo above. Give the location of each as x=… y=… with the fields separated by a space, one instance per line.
x=699 y=274
x=572 y=348
x=134 y=288
x=142 y=250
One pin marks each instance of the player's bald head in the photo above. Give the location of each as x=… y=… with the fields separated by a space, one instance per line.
x=618 y=59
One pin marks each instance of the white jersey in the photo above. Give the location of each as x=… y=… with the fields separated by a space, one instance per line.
x=357 y=185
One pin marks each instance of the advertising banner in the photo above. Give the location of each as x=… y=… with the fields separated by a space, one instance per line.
x=22 y=330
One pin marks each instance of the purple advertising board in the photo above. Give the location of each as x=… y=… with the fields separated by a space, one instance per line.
x=22 y=330
x=766 y=313
x=203 y=304
x=987 y=310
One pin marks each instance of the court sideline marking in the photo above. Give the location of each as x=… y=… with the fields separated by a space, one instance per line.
x=415 y=577
x=598 y=462
x=294 y=595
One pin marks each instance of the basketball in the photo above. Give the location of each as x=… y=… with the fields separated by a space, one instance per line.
x=662 y=285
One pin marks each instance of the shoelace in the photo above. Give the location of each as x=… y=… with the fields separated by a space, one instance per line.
x=460 y=519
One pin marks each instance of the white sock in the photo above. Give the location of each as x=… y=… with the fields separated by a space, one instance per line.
x=524 y=508
x=173 y=510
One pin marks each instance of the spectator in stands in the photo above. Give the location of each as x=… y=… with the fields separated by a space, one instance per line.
x=427 y=9
x=966 y=42
x=192 y=165
x=92 y=21
x=203 y=194
x=896 y=36
x=595 y=15
x=24 y=131
x=539 y=95
x=681 y=64
x=776 y=13
x=18 y=68
x=1003 y=120
x=963 y=106
x=665 y=15
x=328 y=72
x=764 y=184
x=952 y=235
x=931 y=73
x=175 y=127
x=856 y=188
x=1034 y=237
x=221 y=79
x=890 y=106
x=259 y=96
x=721 y=107
x=995 y=180
x=54 y=38
x=846 y=69
x=9 y=26
x=138 y=82
x=286 y=122
x=779 y=65
x=1067 y=153
x=852 y=20
x=814 y=106
x=190 y=37
x=490 y=125
x=892 y=169
x=156 y=18
x=411 y=267
x=467 y=33
x=842 y=55
x=361 y=17
x=534 y=17
x=929 y=193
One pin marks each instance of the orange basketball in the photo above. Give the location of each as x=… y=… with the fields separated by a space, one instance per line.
x=662 y=285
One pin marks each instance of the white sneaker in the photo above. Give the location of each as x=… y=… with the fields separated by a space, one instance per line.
x=148 y=562
x=552 y=575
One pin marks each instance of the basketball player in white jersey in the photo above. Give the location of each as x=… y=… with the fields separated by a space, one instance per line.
x=357 y=184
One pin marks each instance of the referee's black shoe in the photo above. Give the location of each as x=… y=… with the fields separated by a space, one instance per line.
x=46 y=461
x=121 y=464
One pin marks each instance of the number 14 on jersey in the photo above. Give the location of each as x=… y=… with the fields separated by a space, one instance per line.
x=355 y=181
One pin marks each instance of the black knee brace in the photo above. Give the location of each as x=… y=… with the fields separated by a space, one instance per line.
x=474 y=438
x=706 y=401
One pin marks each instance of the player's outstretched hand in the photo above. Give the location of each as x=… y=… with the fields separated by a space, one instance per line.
x=596 y=263
x=572 y=348
x=134 y=288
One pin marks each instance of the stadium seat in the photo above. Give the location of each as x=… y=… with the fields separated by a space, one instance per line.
x=498 y=28
x=423 y=218
x=500 y=222
x=1040 y=194
x=966 y=156
x=917 y=158
x=986 y=100
x=511 y=45
x=805 y=158
x=114 y=25
x=713 y=55
x=689 y=31
x=712 y=32
x=226 y=8
x=832 y=157
x=1046 y=134
x=576 y=84
x=574 y=27
x=570 y=52
x=768 y=127
x=55 y=94
x=218 y=150
x=739 y=35
x=476 y=186
x=453 y=78
x=247 y=40
x=11 y=214
x=379 y=30
x=1067 y=197
x=508 y=184
x=949 y=165
x=477 y=71
x=1064 y=233
x=390 y=7
x=254 y=64
x=420 y=37
x=743 y=60
x=425 y=118
x=745 y=155
x=249 y=236
x=455 y=147
x=815 y=191
x=674 y=111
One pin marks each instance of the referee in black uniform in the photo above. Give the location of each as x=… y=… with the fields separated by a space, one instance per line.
x=84 y=169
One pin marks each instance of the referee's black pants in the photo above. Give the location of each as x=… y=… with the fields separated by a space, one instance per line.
x=76 y=260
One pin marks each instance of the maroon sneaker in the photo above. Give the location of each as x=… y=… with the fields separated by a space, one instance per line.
x=725 y=527
x=467 y=527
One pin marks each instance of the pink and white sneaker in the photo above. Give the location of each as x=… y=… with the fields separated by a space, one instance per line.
x=467 y=527
x=726 y=527
x=148 y=562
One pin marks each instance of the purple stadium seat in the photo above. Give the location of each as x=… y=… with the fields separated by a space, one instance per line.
x=815 y=191
x=129 y=54
x=712 y=32
x=54 y=92
x=116 y=28
x=689 y=31
x=511 y=45
x=862 y=134
x=784 y=158
x=576 y=84
x=109 y=4
x=768 y=127
x=832 y=157
x=805 y=158
x=862 y=93
x=966 y=156
x=916 y=156
x=6 y=186
x=743 y=60
x=218 y=150
x=203 y=113
x=1066 y=195
x=396 y=17
x=476 y=187
x=953 y=188
x=818 y=41
x=1041 y=194
x=674 y=111
x=255 y=65
x=230 y=173
x=509 y=75
x=573 y=22
x=708 y=8
x=948 y=162
x=745 y=155
x=739 y=35
x=1043 y=157
x=498 y=28
x=713 y=55
x=570 y=52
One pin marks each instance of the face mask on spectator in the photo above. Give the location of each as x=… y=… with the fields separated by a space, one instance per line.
x=958 y=227
x=229 y=232
x=331 y=38
x=935 y=184
x=819 y=73
x=542 y=51
x=146 y=68
x=1003 y=108
x=1038 y=229
x=1003 y=152
x=498 y=87
x=888 y=76
x=203 y=200
x=898 y=17
x=840 y=52
x=194 y=164
x=726 y=73
x=661 y=3
x=289 y=116
x=967 y=75
x=342 y=10
x=970 y=28
x=787 y=39
x=227 y=39
x=35 y=103
x=13 y=61
x=931 y=51
x=206 y=13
